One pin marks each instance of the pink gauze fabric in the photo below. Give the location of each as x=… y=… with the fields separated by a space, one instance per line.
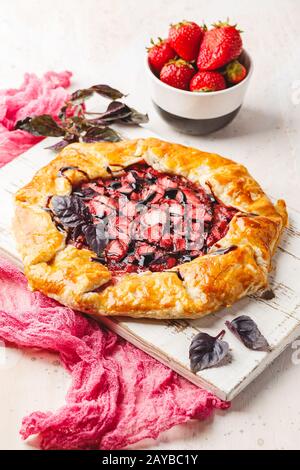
x=36 y=96
x=119 y=395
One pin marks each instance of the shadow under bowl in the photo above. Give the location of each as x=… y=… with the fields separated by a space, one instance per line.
x=196 y=126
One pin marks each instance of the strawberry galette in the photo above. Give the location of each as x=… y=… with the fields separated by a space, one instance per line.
x=145 y=228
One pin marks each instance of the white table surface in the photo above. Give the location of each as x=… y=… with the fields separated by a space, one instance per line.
x=88 y=38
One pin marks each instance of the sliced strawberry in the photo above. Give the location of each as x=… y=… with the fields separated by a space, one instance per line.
x=166 y=183
x=144 y=249
x=163 y=220
x=116 y=250
x=179 y=244
x=151 y=195
x=153 y=217
x=175 y=208
x=131 y=178
x=191 y=197
x=153 y=234
x=128 y=208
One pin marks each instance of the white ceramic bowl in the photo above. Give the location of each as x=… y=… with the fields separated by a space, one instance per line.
x=198 y=113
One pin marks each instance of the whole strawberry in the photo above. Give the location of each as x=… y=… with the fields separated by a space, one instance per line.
x=185 y=38
x=220 y=45
x=159 y=54
x=207 y=81
x=235 y=72
x=177 y=73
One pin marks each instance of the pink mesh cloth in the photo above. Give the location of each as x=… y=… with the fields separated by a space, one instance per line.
x=36 y=96
x=119 y=395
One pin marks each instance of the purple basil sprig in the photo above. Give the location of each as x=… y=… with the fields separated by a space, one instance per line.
x=76 y=124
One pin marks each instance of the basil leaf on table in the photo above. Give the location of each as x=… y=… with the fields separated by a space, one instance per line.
x=247 y=331
x=207 y=351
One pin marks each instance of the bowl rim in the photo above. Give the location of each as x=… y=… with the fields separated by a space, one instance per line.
x=197 y=94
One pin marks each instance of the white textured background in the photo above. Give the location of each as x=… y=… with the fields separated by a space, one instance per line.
x=98 y=39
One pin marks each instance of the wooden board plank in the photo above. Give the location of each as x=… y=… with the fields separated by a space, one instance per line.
x=168 y=341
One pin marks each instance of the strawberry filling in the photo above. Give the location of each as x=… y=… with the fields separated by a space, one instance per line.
x=151 y=220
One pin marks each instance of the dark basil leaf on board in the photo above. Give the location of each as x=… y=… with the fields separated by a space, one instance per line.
x=43 y=125
x=101 y=134
x=207 y=351
x=95 y=237
x=70 y=210
x=246 y=330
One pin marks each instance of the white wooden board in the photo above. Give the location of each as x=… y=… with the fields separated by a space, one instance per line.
x=168 y=341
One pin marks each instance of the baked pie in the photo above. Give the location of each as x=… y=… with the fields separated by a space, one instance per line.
x=145 y=228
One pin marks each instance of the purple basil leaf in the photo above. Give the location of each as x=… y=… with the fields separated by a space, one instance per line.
x=119 y=112
x=207 y=351
x=115 y=111
x=61 y=144
x=135 y=118
x=70 y=210
x=43 y=125
x=246 y=330
x=101 y=134
x=81 y=95
x=103 y=90
x=95 y=237
x=108 y=92
x=75 y=232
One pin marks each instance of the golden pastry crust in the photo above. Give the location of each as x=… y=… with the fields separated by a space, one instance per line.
x=190 y=290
